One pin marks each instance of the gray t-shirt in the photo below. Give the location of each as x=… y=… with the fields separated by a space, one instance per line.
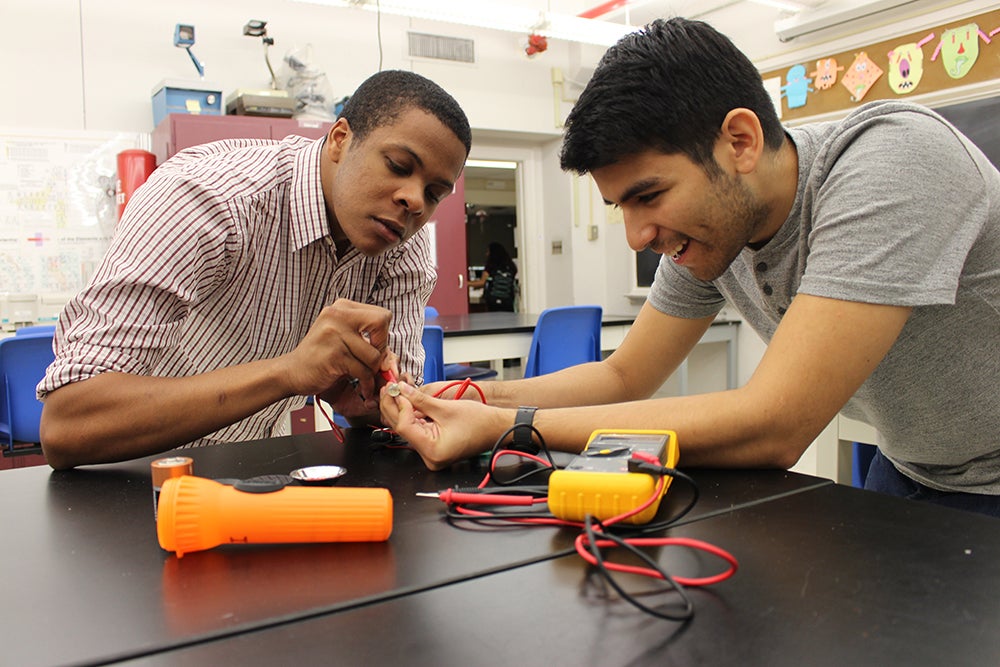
x=894 y=206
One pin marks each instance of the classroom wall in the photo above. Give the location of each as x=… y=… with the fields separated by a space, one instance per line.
x=92 y=64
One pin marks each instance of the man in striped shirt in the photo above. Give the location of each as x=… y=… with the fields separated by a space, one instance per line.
x=246 y=275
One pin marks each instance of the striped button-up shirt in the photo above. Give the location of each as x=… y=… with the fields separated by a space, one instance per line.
x=224 y=257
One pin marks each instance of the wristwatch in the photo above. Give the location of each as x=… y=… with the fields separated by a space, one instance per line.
x=523 y=435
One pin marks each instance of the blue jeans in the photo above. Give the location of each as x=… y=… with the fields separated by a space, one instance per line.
x=884 y=478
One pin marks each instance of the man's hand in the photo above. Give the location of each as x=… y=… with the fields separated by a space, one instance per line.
x=345 y=396
x=341 y=355
x=443 y=431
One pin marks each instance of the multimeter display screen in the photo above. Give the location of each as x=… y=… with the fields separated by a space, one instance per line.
x=634 y=439
x=610 y=452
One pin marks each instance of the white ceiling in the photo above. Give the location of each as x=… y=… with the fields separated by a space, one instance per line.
x=749 y=23
x=641 y=12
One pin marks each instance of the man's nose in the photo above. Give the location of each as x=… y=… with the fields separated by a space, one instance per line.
x=639 y=234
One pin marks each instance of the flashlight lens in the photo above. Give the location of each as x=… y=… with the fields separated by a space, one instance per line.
x=318 y=475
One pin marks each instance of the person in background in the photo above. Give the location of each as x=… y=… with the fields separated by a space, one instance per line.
x=865 y=251
x=246 y=275
x=499 y=279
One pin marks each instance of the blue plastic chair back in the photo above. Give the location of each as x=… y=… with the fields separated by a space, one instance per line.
x=861 y=459
x=433 y=340
x=564 y=336
x=430 y=312
x=36 y=329
x=23 y=360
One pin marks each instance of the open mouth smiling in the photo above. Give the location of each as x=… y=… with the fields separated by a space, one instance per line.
x=679 y=250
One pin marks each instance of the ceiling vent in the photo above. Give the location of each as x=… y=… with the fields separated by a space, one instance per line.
x=830 y=15
x=439 y=47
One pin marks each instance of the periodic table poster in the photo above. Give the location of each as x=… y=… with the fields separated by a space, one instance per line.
x=57 y=207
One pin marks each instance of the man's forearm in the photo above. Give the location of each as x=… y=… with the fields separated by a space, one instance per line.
x=115 y=417
x=594 y=383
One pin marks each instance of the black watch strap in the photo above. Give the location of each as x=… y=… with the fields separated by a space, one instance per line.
x=523 y=431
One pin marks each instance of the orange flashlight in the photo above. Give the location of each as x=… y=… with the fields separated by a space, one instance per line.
x=197 y=513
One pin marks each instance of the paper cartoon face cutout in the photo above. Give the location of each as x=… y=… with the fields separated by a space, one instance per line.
x=826 y=73
x=960 y=49
x=861 y=76
x=906 y=66
x=797 y=87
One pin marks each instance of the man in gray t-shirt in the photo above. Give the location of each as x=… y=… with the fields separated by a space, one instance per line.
x=866 y=252
x=893 y=206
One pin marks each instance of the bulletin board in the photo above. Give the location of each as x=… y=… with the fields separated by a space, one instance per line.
x=57 y=208
x=911 y=53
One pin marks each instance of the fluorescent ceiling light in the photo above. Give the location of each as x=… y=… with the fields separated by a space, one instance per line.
x=782 y=4
x=494 y=15
x=491 y=164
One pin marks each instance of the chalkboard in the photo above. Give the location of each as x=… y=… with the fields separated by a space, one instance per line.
x=978 y=121
x=646 y=262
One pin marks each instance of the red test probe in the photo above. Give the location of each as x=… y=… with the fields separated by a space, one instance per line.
x=453 y=497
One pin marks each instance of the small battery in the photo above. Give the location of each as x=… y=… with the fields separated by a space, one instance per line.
x=164 y=469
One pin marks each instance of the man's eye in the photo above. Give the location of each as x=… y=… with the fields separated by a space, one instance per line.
x=436 y=197
x=647 y=198
x=397 y=168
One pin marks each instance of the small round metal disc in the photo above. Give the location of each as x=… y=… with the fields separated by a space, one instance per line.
x=318 y=475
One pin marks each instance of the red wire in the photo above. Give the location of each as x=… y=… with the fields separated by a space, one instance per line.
x=338 y=432
x=581 y=541
x=581 y=548
x=511 y=452
x=463 y=386
x=661 y=484
x=544 y=521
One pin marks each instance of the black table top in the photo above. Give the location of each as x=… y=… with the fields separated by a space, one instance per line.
x=832 y=576
x=85 y=581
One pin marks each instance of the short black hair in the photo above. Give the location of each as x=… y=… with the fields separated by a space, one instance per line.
x=666 y=87
x=382 y=97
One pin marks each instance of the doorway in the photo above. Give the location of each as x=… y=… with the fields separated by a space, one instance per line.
x=491 y=198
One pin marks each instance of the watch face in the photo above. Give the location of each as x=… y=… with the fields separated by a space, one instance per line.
x=318 y=475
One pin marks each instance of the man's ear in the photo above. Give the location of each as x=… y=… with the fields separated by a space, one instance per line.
x=338 y=139
x=741 y=141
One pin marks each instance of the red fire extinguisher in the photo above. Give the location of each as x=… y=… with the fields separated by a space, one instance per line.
x=134 y=167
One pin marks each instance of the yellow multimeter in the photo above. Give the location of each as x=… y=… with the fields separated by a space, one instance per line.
x=597 y=481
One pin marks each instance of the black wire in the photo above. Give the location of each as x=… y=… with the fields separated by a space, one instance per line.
x=592 y=546
x=542 y=449
x=666 y=523
x=616 y=533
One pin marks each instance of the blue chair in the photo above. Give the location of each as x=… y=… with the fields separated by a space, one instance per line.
x=433 y=340
x=564 y=336
x=23 y=360
x=436 y=370
x=451 y=371
x=862 y=456
x=36 y=329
